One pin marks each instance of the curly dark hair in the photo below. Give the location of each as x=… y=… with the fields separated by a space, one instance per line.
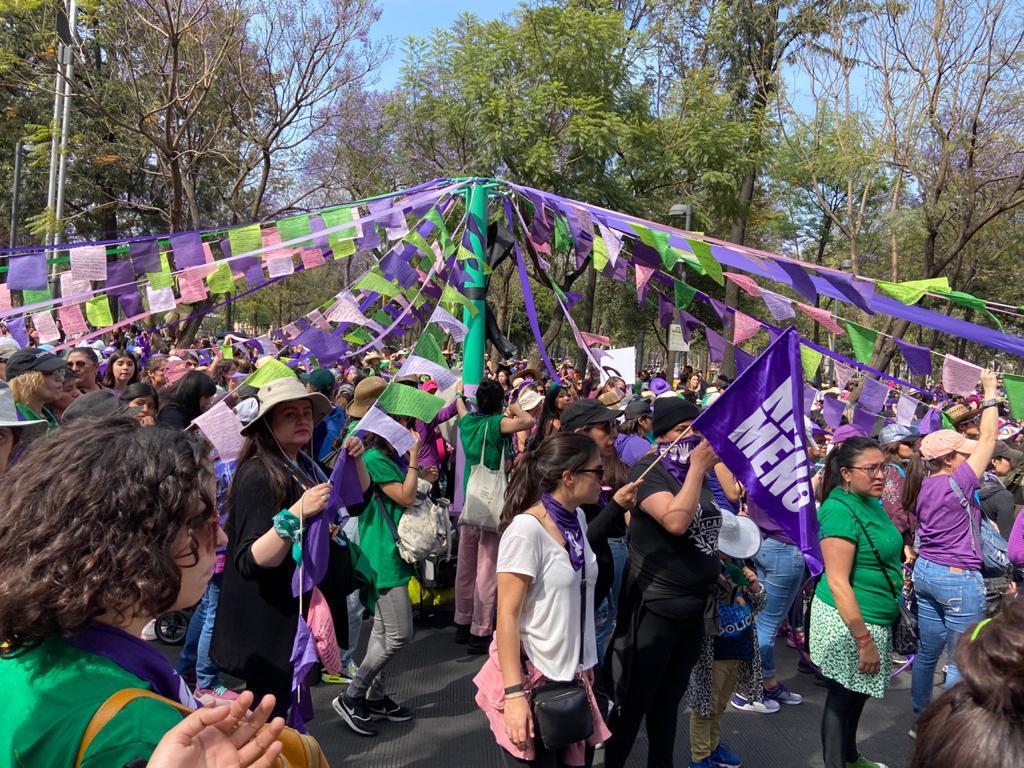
x=89 y=522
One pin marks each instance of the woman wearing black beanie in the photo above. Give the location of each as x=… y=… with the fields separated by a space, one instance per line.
x=674 y=566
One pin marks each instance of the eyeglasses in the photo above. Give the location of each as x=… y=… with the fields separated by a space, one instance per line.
x=871 y=469
x=79 y=364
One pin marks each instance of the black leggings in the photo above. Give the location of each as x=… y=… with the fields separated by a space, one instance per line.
x=664 y=654
x=544 y=758
x=275 y=683
x=839 y=723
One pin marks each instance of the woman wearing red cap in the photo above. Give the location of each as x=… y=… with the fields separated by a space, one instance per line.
x=948 y=574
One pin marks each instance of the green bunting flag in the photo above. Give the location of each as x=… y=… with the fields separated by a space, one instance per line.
x=683 y=294
x=97 y=311
x=227 y=351
x=220 y=281
x=342 y=242
x=451 y=295
x=811 y=361
x=912 y=291
x=443 y=237
x=271 y=370
x=704 y=256
x=294 y=227
x=563 y=239
x=1014 y=386
x=428 y=348
x=862 y=340
x=245 y=239
x=31 y=297
x=657 y=240
x=600 y=253
x=972 y=302
x=401 y=400
x=372 y=282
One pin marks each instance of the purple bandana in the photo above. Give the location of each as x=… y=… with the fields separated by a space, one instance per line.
x=136 y=656
x=568 y=524
x=676 y=458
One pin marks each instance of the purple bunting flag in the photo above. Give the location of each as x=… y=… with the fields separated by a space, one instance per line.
x=780 y=308
x=27 y=272
x=873 y=394
x=145 y=257
x=858 y=292
x=16 y=327
x=757 y=428
x=832 y=411
x=919 y=359
x=716 y=345
x=906 y=410
x=799 y=279
x=187 y=248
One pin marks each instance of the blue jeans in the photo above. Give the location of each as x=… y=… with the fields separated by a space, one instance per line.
x=187 y=658
x=207 y=673
x=780 y=569
x=608 y=611
x=948 y=603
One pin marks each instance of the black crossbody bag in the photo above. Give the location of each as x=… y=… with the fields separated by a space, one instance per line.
x=905 y=633
x=561 y=711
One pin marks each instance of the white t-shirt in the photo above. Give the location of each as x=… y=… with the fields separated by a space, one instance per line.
x=549 y=625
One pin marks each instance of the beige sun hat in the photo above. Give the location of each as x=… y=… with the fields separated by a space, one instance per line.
x=366 y=393
x=9 y=418
x=285 y=391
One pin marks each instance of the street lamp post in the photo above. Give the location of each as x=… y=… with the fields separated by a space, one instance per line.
x=684 y=211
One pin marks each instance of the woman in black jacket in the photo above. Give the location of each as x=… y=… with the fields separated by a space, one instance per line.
x=277 y=487
x=185 y=399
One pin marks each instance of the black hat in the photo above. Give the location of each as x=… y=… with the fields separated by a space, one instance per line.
x=670 y=411
x=637 y=408
x=98 y=404
x=33 y=359
x=583 y=413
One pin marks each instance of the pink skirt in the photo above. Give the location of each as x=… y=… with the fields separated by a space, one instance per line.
x=490 y=697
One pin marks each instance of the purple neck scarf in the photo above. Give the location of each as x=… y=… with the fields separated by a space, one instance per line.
x=676 y=459
x=136 y=656
x=568 y=524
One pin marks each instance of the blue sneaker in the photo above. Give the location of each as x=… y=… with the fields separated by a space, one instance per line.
x=705 y=763
x=723 y=757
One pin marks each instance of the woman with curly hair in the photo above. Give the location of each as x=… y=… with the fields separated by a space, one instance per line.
x=84 y=565
x=122 y=370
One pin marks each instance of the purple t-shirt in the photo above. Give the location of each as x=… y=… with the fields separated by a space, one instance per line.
x=947 y=537
x=769 y=528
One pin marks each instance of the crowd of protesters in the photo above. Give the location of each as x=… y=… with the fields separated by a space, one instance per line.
x=627 y=565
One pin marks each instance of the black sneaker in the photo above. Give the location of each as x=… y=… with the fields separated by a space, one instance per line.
x=462 y=634
x=386 y=709
x=355 y=714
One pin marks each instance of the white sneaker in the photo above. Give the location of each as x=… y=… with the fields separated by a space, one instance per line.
x=149 y=631
x=766 y=707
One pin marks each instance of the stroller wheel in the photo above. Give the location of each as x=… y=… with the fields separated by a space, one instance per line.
x=171 y=627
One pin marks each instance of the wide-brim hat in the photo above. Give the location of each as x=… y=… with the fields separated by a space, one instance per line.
x=9 y=417
x=739 y=536
x=523 y=375
x=287 y=390
x=959 y=413
x=366 y=394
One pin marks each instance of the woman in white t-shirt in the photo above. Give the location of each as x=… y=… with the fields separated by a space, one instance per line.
x=542 y=556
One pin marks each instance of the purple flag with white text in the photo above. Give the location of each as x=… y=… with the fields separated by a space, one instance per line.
x=757 y=429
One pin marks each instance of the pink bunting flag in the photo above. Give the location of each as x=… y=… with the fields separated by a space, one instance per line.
x=612 y=241
x=960 y=377
x=821 y=316
x=46 y=328
x=312 y=258
x=72 y=320
x=643 y=276
x=593 y=340
x=175 y=370
x=745 y=282
x=89 y=262
x=5 y=297
x=160 y=299
x=280 y=266
x=291 y=330
x=271 y=237
x=191 y=284
x=223 y=429
x=744 y=327
x=780 y=307
x=70 y=286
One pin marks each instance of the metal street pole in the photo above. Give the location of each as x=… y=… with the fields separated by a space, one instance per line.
x=685 y=210
x=65 y=118
x=13 y=235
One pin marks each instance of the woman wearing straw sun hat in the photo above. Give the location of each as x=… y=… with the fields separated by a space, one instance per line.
x=14 y=431
x=275 y=499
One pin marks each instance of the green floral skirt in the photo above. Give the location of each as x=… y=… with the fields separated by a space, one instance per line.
x=834 y=650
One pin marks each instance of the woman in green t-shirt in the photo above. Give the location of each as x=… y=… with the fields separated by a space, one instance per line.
x=854 y=605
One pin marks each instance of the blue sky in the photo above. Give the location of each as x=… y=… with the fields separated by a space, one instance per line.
x=401 y=18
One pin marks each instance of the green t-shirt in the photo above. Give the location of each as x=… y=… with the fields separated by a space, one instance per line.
x=31 y=415
x=472 y=429
x=51 y=693
x=375 y=537
x=836 y=519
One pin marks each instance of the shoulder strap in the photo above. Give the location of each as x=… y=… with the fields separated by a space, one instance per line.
x=483 y=443
x=385 y=512
x=975 y=533
x=583 y=601
x=874 y=550
x=110 y=708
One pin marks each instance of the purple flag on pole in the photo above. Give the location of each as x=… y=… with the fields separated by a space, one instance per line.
x=919 y=359
x=302 y=660
x=743 y=360
x=832 y=411
x=757 y=428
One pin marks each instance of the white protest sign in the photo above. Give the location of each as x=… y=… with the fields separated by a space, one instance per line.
x=617 y=362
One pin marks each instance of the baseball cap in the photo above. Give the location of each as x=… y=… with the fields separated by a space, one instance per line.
x=897 y=433
x=98 y=404
x=321 y=379
x=31 y=359
x=944 y=442
x=1003 y=451
x=583 y=413
x=637 y=408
